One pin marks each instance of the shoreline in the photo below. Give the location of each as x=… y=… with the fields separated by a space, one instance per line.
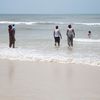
x=24 y=80
x=37 y=60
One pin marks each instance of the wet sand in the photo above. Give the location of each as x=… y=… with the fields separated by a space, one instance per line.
x=21 y=80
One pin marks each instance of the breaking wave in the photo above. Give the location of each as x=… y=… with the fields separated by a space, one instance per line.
x=89 y=24
x=87 y=40
x=34 y=55
x=46 y=22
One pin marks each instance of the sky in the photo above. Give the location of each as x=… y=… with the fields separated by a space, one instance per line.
x=50 y=7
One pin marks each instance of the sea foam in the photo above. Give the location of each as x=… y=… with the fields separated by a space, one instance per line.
x=89 y=24
x=35 y=55
x=87 y=40
x=47 y=22
x=30 y=23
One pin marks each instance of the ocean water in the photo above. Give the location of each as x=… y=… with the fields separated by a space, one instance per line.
x=35 y=42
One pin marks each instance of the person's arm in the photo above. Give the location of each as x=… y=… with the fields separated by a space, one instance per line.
x=60 y=34
x=54 y=34
x=67 y=32
x=14 y=37
x=74 y=33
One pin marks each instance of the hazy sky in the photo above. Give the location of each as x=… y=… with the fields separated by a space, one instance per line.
x=50 y=6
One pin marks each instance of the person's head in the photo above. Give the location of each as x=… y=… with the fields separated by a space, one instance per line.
x=13 y=25
x=89 y=31
x=56 y=27
x=70 y=26
x=10 y=27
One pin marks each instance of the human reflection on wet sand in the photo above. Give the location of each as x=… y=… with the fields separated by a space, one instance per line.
x=11 y=69
x=48 y=81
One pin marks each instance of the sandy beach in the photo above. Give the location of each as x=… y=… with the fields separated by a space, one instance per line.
x=20 y=80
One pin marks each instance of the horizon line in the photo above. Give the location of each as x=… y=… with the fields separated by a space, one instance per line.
x=52 y=13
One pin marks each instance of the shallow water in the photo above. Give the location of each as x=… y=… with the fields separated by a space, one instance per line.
x=34 y=38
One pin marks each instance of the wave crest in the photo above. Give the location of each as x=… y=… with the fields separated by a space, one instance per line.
x=89 y=24
x=47 y=22
x=87 y=40
x=30 y=23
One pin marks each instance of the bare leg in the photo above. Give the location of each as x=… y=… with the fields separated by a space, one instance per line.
x=10 y=44
x=72 y=41
x=55 y=43
x=14 y=45
x=68 y=40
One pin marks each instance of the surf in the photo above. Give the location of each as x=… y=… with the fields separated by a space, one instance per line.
x=87 y=40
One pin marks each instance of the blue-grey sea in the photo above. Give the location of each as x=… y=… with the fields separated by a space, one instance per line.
x=35 y=42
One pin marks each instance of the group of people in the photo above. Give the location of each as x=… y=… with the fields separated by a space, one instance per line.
x=70 y=33
x=57 y=35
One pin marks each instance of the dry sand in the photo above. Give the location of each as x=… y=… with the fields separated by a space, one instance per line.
x=21 y=80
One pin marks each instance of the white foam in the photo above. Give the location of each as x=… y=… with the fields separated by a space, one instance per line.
x=17 y=23
x=34 y=55
x=89 y=24
x=87 y=40
x=46 y=22
x=30 y=23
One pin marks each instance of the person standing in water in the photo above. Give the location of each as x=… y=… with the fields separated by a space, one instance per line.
x=70 y=35
x=57 y=35
x=11 y=36
x=89 y=34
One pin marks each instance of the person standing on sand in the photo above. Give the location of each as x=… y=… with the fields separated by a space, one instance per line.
x=11 y=36
x=57 y=35
x=70 y=35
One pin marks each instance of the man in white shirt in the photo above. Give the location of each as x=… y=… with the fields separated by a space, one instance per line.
x=57 y=35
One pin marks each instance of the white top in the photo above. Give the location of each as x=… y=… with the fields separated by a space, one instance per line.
x=57 y=33
x=70 y=32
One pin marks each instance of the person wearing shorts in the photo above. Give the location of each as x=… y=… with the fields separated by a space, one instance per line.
x=57 y=36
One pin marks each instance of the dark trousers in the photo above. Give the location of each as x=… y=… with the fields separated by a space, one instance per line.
x=57 y=40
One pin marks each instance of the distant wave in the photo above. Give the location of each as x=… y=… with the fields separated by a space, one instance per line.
x=34 y=55
x=89 y=24
x=47 y=22
x=87 y=40
x=12 y=22
x=30 y=23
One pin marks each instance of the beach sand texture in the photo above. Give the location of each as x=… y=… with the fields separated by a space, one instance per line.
x=21 y=80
